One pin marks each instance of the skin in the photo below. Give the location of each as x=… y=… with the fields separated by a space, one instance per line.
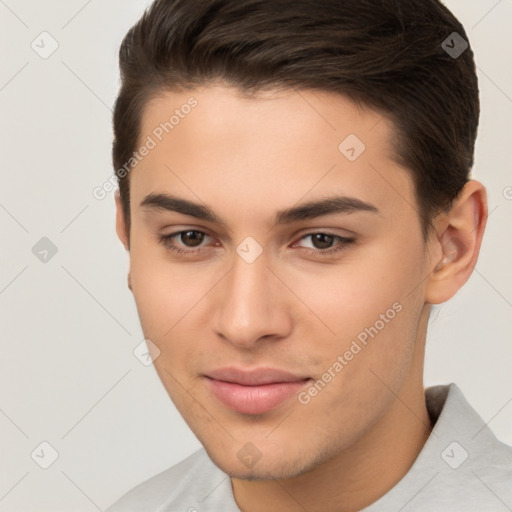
x=246 y=158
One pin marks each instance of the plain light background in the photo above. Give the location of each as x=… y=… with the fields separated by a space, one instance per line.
x=69 y=326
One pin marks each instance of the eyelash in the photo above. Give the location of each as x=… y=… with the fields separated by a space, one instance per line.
x=166 y=241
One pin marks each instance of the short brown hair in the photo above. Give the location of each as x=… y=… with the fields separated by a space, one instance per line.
x=386 y=54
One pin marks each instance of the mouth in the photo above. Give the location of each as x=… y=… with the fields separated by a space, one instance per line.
x=256 y=391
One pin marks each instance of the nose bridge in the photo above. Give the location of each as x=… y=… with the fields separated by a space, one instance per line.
x=249 y=308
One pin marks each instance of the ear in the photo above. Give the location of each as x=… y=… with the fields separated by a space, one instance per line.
x=121 y=230
x=457 y=243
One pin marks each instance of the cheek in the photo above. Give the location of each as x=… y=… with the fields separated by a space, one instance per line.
x=366 y=313
x=164 y=291
x=348 y=297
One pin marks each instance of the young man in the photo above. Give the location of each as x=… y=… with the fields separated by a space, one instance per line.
x=294 y=196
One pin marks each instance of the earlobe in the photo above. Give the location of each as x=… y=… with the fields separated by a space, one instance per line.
x=460 y=241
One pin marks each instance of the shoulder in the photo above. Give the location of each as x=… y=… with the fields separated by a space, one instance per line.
x=472 y=467
x=471 y=474
x=176 y=488
x=462 y=466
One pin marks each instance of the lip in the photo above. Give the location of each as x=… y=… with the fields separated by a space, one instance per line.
x=256 y=391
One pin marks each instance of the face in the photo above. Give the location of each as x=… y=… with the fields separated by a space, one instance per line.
x=280 y=326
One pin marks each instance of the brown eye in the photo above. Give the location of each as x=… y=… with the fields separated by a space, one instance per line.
x=184 y=242
x=191 y=238
x=322 y=240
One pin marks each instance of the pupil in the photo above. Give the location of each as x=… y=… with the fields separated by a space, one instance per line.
x=321 y=238
x=193 y=236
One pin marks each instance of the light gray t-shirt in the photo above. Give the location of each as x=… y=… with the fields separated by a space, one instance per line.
x=462 y=467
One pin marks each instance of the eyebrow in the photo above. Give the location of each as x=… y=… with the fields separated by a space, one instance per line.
x=305 y=211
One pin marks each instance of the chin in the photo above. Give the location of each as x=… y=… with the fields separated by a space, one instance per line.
x=269 y=467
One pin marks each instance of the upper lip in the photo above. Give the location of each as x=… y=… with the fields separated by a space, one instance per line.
x=254 y=377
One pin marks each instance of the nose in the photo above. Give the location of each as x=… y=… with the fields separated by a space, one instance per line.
x=252 y=305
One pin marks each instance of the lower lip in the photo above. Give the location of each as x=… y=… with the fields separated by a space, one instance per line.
x=254 y=399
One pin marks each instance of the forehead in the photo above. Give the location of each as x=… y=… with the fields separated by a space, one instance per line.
x=220 y=145
x=307 y=116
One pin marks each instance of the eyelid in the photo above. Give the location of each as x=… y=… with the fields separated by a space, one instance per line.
x=346 y=233
x=333 y=235
x=312 y=231
x=333 y=231
x=174 y=235
x=177 y=231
